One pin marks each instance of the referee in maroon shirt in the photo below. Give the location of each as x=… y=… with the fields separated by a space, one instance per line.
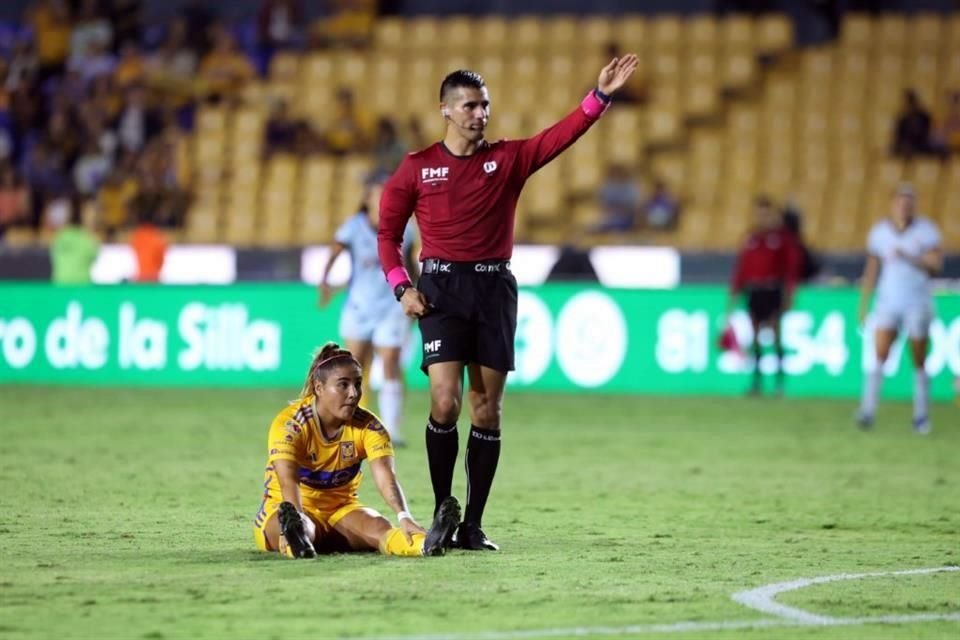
x=464 y=193
x=767 y=270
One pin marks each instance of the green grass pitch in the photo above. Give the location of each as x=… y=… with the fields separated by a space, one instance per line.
x=127 y=514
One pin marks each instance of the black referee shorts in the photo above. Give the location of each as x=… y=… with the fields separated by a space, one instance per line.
x=764 y=303
x=473 y=316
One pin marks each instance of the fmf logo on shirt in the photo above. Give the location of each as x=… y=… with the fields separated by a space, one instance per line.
x=490 y=167
x=434 y=174
x=432 y=347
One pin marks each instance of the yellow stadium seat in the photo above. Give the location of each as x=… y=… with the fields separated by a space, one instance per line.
x=525 y=34
x=887 y=174
x=423 y=33
x=632 y=32
x=561 y=33
x=596 y=32
x=318 y=69
x=352 y=70
x=284 y=66
x=667 y=33
x=925 y=31
x=857 y=31
x=202 y=225
x=924 y=175
x=948 y=207
x=282 y=171
x=922 y=73
x=737 y=33
x=703 y=34
x=456 y=30
x=774 y=34
x=702 y=99
x=663 y=124
x=491 y=35
x=240 y=227
x=390 y=34
x=582 y=168
x=739 y=69
x=19 y=237
x=891 y=33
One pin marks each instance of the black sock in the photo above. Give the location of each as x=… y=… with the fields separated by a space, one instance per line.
x=483 y=453
x=757 y=355
x=443 y=444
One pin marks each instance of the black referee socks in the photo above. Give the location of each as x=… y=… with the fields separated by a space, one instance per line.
x=483 y=454
x=443 y=445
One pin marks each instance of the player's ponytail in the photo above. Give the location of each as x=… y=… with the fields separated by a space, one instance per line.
x=325 y=359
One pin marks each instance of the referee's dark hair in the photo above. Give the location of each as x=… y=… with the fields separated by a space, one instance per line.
x=460 y=78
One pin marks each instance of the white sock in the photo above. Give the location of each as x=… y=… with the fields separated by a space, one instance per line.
x=871 y=391
x=390 y=400
x=921 y=393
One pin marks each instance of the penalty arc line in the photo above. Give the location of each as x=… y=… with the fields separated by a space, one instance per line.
x=753 y=598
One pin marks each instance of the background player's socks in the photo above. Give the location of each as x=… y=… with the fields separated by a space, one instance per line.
x=394 y=543
x=483 y=454
x=443 y=444
x=390 y=400
x=921 y=398
x=756 y=387
x=871 y=391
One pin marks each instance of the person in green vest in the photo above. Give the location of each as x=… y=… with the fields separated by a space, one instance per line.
x=74 y=248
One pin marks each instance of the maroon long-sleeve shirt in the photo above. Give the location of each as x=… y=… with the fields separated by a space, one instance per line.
x=466 y=205
x=769 y=257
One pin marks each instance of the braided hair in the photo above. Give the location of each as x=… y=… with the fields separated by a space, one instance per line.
x=325 y=359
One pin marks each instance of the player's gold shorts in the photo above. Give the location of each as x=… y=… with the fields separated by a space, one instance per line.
x=324 y=513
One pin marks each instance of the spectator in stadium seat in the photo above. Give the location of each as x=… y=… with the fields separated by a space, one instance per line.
x=911 y=134
x=349 y=128
x=126 y=16
x=661 y=209
x=316 y=446
x=137 y=123
x=620 y=200
x=280 y=26
x=150 y=248
x=47 y=178
x=91 y=31
x=96 y=61
x=50 y=22
x=74 y=248
x=280 y=131
x=115 y=197
x=91 y=169
x=388 y=148
x=198 y=18
x=225 y=70
x=131 y=67
x=809 y=265
x=14 y=198
x=23 y=66
x=767 y=271
x=171 y=68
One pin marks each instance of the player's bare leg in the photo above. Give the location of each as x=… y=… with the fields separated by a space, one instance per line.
x=443 y=441
x=756 y=386
x=483 y=451
x=390 y=398
x=367 y=530
x=883 y=341
x=921 y=386
x=362 y=350
x=778 y=347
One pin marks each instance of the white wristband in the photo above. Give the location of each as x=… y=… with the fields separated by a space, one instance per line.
x=404 y=515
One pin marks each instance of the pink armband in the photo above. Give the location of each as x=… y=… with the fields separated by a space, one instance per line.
x=593 y=106
x=398 y=275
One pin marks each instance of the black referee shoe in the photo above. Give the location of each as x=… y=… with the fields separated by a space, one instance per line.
x=444 y=524
x=472 y=538
x=291 y=526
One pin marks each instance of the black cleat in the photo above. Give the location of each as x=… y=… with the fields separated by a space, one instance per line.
x=864 y=421
x=291 y=526
x=472 y=538
x=444 y=524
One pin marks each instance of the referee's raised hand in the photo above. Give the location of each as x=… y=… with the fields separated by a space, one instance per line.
x=616 y=73
x=414 y=303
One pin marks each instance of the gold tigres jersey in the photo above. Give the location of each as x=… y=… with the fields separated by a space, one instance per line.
x=329 y=469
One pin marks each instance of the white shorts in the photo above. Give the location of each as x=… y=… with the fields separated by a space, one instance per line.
x=384 y=325
x=913 y=319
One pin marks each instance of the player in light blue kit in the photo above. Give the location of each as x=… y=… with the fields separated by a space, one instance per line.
x=905 y=249
x=371 y=318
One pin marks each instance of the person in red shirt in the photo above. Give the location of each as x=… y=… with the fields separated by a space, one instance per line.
x=463 y=191
x=767 y=269
x=150 y=248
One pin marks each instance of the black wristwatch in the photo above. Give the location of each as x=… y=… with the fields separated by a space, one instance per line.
x=400 y=289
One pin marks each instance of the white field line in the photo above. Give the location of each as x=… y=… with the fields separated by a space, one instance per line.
x=762 y=598
x=753 y=598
